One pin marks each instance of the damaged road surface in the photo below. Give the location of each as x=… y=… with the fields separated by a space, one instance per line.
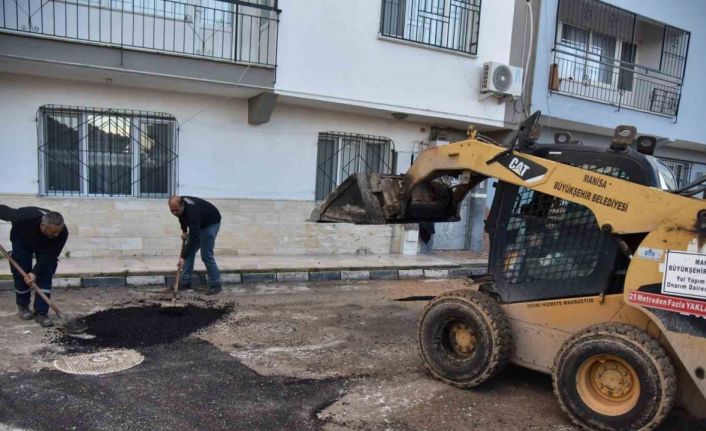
x=184 y=383
x=329 y=356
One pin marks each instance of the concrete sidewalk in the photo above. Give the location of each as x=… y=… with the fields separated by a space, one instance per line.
x=138 y=271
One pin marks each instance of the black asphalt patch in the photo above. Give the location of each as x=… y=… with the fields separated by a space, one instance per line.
x=416 y=298
x=141 y=327
x=186 y=385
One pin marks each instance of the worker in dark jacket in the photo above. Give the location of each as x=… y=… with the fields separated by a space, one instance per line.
x=40 y=233
x=200 y=221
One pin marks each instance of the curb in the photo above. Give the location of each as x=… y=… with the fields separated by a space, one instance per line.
x=239 y=277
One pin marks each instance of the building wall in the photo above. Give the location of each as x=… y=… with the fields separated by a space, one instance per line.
x=144 y=227
x=338 y=56
x=689 y=16
x=262 y=177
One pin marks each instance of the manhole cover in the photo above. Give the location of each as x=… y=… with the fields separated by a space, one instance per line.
x=107 y=361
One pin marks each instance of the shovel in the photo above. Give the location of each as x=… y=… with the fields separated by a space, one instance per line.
x=74 y=326
x=172 y=307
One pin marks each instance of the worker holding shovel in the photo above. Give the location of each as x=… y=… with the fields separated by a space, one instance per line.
x=39 y=233
x=200 y=221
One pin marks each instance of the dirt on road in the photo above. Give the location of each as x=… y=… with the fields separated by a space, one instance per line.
x=332 y=356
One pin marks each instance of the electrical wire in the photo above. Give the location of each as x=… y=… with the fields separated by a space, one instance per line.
x=529 y=52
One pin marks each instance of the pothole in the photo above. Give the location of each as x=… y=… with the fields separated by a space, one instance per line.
x=140 y=327
x=103 y=362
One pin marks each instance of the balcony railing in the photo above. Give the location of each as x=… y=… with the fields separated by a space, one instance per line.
x=234 y=31
x=615 y=56
x=615 y=82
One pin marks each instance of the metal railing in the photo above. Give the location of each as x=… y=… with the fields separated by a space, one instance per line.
x=615 y=82
x=229 y=31
x=448 y=24
x=596 y=50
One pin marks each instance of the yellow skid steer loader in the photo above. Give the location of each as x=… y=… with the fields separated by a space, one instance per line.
x=596 y=273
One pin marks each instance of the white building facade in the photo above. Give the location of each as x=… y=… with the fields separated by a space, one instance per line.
x=600 y=64
x=110 y=106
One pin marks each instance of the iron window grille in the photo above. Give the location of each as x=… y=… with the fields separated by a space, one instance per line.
x=341 y=154
x=232 y=30
x=449 y=24
x=106 y=152
x=596 y=57
x=684 y=171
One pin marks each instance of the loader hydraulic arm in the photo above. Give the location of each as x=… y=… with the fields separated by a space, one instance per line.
x=422 y=194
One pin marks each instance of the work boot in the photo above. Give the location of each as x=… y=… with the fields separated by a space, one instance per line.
x=43 y=320
x=214 y=290
x=24 y=312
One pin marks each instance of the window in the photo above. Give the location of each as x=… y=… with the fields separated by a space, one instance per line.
x=340 y=155
x=213 y=11
x=106 y=152
x=594 y=54
x=450 y=24
x=683 y=171
x=667 y=180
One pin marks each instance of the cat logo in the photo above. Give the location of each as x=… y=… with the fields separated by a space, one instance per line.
x=526 y=169
x=518 y=167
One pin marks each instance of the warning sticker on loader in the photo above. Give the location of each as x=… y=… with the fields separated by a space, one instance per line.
x=669 y=303
x=684 y=274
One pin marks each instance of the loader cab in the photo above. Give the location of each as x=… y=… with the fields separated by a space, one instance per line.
x=544 y=247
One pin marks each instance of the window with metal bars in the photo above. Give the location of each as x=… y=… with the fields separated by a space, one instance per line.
x=684 y=171
x=106 y=152
x=341 y=154
x=449 y=24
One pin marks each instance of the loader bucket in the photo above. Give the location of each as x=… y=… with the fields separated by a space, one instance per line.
x=352 y=202
x=378 y=199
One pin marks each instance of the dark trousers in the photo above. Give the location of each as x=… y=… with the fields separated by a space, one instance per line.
x=207 y=240
x=23 y=256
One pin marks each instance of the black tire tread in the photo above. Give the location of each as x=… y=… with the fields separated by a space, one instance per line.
x=636 y=337
x=499 y=326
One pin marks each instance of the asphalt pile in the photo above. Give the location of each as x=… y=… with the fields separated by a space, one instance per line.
x=141 y=327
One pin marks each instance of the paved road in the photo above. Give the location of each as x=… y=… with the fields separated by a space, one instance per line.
x=330 y=356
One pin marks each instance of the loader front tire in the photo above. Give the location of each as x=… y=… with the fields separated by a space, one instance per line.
x=464 y=338
x=614 y=377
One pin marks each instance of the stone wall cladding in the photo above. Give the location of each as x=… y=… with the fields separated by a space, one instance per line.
x=101 y=227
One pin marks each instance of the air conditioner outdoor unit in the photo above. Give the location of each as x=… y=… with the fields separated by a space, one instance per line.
x=500 y=80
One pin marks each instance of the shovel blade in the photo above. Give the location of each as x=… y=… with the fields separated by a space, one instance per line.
x=73 y=326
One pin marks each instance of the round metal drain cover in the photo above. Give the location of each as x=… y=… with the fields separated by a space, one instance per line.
x=107 y=361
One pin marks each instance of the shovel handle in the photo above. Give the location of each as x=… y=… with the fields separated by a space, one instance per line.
x=178 y=274
x=33 y=285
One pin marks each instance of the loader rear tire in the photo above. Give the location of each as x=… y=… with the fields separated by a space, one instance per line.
x=614 y=377
x=464 y=338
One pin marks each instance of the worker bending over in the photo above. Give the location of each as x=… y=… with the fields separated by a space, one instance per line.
x=41 y=234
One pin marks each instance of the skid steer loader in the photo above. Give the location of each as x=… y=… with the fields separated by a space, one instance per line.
x=596 y=274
